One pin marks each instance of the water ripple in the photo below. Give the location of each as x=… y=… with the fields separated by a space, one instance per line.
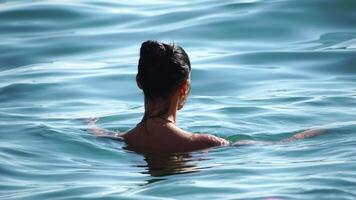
x=262 y=70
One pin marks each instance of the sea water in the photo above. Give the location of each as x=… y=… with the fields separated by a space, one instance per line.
x=261 y=70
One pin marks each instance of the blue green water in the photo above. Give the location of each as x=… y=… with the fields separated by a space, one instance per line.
x=262 y=70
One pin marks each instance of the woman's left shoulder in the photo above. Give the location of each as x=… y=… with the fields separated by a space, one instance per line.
x=211 y=139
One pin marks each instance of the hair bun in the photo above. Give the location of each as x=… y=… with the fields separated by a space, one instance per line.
x=153 y=50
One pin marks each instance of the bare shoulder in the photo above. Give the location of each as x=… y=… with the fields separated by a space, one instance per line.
x=129 y=134
x=206 y=140
x=210 y=139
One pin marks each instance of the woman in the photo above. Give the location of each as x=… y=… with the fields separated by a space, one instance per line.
x=164 y=76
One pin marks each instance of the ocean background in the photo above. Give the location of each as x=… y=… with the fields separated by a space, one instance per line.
x=262 y=70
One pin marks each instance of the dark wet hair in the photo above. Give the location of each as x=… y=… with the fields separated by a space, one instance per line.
x=162 y=68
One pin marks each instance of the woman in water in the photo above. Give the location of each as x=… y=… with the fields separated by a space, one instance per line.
x=164 y=76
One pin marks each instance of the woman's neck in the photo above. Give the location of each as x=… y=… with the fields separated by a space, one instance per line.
x=161 y=108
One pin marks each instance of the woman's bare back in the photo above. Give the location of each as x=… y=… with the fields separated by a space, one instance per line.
x=159 y=135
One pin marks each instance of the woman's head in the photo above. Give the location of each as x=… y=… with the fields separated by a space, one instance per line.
x=162 y=69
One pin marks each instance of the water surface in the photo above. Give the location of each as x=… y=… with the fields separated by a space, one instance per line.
x=262 y=70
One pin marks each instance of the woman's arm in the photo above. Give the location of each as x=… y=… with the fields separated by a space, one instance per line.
x=100 y=132
x=302 y=135
x=305 y=134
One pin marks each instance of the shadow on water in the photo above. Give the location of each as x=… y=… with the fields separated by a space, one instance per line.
x=161 y=164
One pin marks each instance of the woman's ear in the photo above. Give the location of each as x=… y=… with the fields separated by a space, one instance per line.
x=184 y=89
x=138 y=82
